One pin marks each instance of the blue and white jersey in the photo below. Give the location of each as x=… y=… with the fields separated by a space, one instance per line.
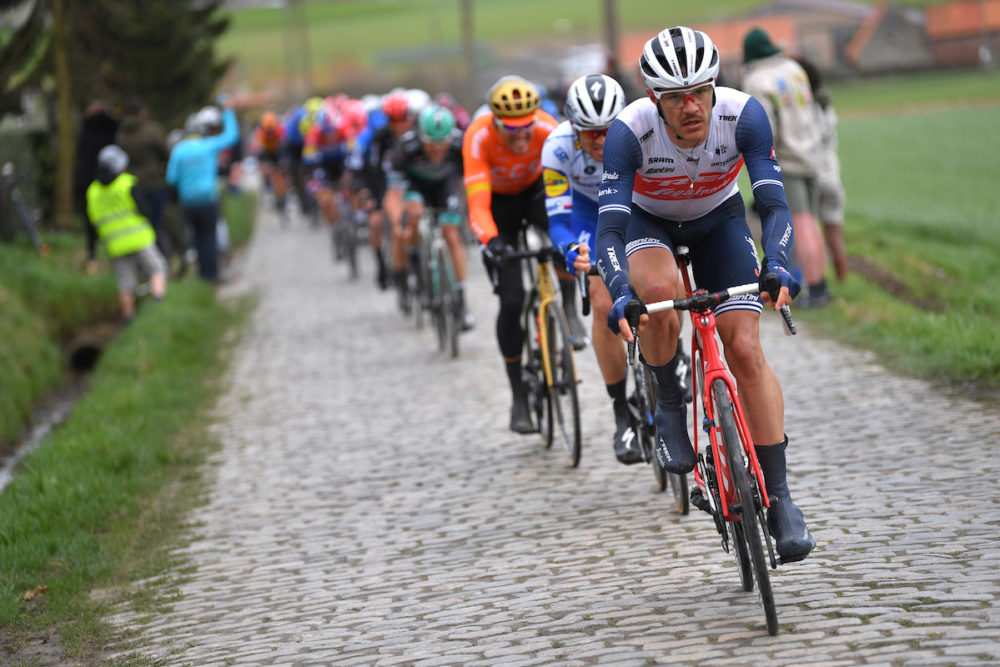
x=572 y=182
x=643 y=167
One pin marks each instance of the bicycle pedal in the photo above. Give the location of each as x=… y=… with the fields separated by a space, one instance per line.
x=699 y=500
x=791 y=559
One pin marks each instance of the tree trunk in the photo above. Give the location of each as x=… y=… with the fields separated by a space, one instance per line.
x=66 y=137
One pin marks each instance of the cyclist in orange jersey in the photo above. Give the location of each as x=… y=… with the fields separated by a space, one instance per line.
x=268 y=144
x=502 y=157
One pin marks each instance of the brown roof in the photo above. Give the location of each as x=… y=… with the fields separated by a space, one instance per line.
x=963 y=19
x=728 y=38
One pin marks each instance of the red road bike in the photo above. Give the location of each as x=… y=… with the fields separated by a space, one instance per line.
x=729 y=483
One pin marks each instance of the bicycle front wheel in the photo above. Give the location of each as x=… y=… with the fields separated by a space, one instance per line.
x=351 y=246
x=562 y=371
x=540 y=398
x=749 y=529
x=643 y=401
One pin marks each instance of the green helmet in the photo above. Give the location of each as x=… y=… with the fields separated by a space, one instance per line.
x=436 y=123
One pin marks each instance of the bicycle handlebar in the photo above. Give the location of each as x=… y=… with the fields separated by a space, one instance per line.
x=704 y=301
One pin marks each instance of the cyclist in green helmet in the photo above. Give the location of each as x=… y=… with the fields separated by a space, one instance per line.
x=427 y=166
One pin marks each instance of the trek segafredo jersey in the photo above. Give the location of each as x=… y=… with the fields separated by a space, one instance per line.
x=643 y=167
x=572 y=182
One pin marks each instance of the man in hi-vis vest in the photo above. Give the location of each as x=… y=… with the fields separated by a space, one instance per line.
x=119 y=215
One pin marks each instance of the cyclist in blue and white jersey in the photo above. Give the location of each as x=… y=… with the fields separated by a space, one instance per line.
x=670 y=167
x=571 y=168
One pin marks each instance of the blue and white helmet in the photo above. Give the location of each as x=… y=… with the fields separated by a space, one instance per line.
x=679 y=58
x=593 y=101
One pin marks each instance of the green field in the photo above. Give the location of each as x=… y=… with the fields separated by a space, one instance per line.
x=357 y=30
x=918 y=161
x=351 y=38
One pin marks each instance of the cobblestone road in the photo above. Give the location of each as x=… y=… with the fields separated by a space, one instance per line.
x=369 y=507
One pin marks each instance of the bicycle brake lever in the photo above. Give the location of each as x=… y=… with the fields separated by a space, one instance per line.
x=631 y=347
x=581 y=278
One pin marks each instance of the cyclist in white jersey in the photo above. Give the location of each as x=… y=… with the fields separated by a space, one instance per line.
x=670 y=169
x=572 y=170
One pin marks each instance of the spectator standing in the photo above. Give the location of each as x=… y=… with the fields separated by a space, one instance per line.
x=118 y=213
x=831 y=188
x=782 y=87
x=144 y=141
x=193 y=170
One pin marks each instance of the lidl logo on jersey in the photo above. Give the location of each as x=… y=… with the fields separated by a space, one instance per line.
x=555 y=183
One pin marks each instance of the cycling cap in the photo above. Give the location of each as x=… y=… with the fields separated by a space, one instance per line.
x=593 y=101
x=112 y=159
x=436 y=123
x=679 y=58
x=514 y=97
x=396 y=106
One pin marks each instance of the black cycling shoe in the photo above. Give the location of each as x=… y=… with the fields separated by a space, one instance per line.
x=520 y=416
x=784 y=519
x=626 y=445
x=674 y=452
x=381 y=274
x=788 y=527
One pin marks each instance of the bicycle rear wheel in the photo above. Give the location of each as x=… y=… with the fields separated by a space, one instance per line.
x=679 y=490
x=749 y=526
x=565 y=401
x=445 y=301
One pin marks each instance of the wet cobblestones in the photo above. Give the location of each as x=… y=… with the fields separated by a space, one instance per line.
x=369 y=507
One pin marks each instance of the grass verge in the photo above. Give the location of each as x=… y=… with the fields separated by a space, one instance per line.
x=43 y=301
x=100 y=504
x=921 y=229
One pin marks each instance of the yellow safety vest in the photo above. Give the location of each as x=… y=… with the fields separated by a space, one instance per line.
x=116 y=217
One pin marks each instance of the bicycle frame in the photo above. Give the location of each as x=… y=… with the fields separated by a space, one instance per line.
x=707 y=357
x=544 y=287
x=730 y=483
x=547 y=339
x=705 y=354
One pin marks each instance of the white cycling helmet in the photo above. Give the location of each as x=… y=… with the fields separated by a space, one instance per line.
x=192 y=124
x=112 y=159
x=679 y=58
x=417 y=99
x=593 y=101
x=210 y=120
x=371 y=102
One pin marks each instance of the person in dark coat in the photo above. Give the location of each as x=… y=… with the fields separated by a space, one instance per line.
x=97 y=130
x=144 y=141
